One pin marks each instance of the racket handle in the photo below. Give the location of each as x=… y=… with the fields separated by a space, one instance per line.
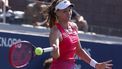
x=49 y=49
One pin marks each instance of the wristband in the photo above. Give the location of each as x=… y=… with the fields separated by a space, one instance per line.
x=93 y=63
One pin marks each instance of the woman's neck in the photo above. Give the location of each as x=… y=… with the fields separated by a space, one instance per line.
x=64 y=24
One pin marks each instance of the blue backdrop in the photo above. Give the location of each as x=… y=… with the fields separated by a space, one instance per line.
x=99 y=51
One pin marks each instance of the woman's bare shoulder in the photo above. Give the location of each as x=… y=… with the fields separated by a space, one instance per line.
x=54 y=31
x=74 y=25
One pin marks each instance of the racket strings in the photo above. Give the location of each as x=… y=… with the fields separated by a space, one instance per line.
x=21 y=54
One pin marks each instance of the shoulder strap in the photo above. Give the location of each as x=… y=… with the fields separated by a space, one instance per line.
x=60 y=27
x=63 y=32
x=73 y=27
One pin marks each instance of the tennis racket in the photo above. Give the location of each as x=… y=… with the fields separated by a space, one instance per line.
x=21 y=53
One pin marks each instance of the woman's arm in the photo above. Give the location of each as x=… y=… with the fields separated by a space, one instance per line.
x=82 y=53
x=85 y=57
x=88 y=59
x=79 y=50
x=54 y=41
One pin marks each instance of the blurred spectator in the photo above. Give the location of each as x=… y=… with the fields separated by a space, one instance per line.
x=1 y=4
x=80 y=21
x=35 y=13
x=4 y=2
x=6 y=14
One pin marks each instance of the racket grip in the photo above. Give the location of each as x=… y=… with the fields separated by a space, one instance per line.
x=49 y=49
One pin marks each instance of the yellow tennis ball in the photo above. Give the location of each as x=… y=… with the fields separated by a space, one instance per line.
x=38 y=51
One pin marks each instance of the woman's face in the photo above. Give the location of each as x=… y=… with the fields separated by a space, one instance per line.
x=64 y=14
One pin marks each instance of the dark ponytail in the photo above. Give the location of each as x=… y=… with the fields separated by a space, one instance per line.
x=52 y=14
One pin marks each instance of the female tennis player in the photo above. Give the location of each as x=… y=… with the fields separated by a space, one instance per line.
x=64 y=38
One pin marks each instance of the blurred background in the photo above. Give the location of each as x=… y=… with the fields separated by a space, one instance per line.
x=102 y=16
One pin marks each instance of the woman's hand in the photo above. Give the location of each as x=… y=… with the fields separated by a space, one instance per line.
x=104 y=65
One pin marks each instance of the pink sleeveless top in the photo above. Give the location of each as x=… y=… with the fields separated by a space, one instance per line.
x=67 y=49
